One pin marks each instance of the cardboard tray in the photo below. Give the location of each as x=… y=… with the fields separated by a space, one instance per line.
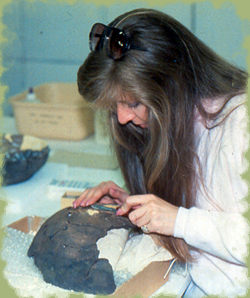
x=28 y=224
x=68 y=198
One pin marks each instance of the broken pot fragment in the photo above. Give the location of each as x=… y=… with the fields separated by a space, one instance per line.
x=65 y=250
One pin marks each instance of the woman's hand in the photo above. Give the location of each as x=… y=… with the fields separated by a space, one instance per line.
x=106 y=193
x=150 y=211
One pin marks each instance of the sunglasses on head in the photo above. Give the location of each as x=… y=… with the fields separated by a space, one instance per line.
x=114 y=40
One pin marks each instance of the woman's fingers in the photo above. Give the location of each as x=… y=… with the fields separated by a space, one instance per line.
x=87 y=197
x=106 y=200
x=155 y=213
x=78 y=201
x=132 y=202
x=119 y=195
x=92 y=195
x=139 y=216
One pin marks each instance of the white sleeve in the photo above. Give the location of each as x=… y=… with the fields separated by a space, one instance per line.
x=218 y=233
x=221 y=232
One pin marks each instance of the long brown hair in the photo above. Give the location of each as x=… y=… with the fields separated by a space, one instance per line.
x=171 y=77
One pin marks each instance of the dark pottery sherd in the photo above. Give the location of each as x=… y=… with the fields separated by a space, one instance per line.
x=65 y=250
x=20 y=164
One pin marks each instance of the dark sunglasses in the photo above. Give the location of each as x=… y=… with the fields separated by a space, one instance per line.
x=115 y=41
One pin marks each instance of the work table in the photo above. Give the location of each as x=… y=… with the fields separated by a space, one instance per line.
x=68 y=160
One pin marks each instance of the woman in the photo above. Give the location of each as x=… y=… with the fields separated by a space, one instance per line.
x=178 y=123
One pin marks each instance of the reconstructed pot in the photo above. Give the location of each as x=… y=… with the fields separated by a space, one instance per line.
x=65 y=250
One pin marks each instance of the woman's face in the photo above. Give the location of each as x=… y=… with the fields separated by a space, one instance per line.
x=129 y=110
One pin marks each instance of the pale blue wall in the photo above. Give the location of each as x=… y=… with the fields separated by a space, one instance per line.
x=47 y=41
x=223 y=31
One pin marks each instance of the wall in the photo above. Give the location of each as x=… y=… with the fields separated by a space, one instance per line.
x=48 y=40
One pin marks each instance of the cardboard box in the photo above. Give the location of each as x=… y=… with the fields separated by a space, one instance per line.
x=68 y=198
x=28 y=224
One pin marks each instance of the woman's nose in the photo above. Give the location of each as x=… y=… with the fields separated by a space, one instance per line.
x=124 y=114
